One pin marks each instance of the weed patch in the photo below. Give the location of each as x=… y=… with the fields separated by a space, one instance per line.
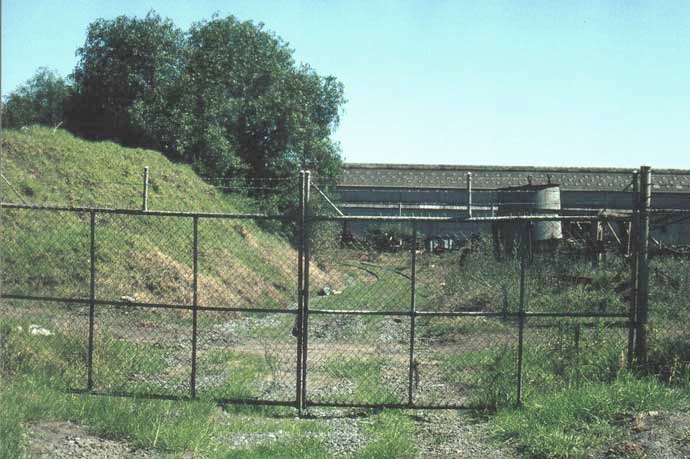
x=576 y=422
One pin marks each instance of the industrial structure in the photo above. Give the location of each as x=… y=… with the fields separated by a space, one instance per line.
x=461 y=191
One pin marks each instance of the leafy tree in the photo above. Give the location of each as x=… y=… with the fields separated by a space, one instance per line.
x=39 y=101
x=253 y=109
x=226 y=96
x=126 y=78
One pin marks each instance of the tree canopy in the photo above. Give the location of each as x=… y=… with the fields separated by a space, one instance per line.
x=226 y=96
x=125 y=63
x=41 y=100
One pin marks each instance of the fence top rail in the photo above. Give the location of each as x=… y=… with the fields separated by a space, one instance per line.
x=495 y=206
x=154 y=213
x=501 y=218
x=611 y=214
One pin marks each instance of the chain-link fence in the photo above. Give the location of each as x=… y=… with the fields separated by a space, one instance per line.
x=336 y=310
x=398 y=317
x=668 y=347
x=151 y=303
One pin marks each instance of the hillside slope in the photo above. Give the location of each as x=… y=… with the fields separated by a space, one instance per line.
x=58 y=168
x=146 y=258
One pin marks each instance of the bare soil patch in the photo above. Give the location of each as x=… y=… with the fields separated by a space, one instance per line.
x=64 y=440
x=654 y=434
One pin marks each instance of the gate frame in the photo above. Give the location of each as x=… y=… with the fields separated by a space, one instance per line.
x=521 y=316
x=303 y=224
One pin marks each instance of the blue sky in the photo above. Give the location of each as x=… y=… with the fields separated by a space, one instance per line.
x=451 y=82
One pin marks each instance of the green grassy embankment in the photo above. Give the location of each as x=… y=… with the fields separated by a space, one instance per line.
x=144 y=258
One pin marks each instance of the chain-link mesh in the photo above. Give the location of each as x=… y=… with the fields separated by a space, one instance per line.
x=668 y=353
x=465 y=361
x=398 y=313
x=581 y=299
x=246 y=356
x=142 y=351
x=356 y=359
x=565 y=353
x=359 y=338
x=144 y=259
x=245 y=263
x=149 y=272
x=45 y=253
x=365 y=359
x=467 y=307
x=463 y=275
x=357 y=267
x=45 y=341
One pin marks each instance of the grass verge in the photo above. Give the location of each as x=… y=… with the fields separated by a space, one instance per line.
x=577 y=422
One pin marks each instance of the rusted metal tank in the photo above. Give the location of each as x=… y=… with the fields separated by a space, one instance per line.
x=533 y=200
x=528 y=199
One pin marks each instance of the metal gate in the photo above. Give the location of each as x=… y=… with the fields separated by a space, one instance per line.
x=310 y=317
x=378 y=329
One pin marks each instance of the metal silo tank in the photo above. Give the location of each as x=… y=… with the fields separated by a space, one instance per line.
x=527 y=200
x=546 y=200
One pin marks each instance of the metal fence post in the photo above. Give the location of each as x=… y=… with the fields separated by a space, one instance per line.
x=521 y=322
x=305 y=292
x=633 y=237
x=643 y=264
x=578 y=370
x=145 y=198
x=469 y=194
x=195 y=304
x=298 y=328
x=413 y=315
x=92 y=297
x=595 y=238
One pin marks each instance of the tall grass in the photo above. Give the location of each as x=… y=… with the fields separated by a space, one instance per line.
x=577 y=422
